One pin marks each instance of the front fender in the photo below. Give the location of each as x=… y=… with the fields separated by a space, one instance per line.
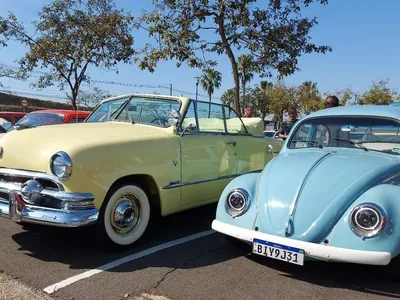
x=388 y=198
x=248 y=182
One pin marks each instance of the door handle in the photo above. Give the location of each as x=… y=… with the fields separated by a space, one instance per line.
x=233 y=143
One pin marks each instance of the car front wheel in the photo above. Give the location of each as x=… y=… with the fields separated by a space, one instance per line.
x=125 y=216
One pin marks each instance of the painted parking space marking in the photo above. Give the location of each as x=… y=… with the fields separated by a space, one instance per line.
x=59 y=285
x=145 y=296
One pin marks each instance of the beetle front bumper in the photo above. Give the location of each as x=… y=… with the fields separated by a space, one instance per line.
x=322 y=252
x=19 y=211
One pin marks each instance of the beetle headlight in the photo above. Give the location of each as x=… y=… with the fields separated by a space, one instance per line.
x=237 y=202
x=61 y=165
x=367 y=220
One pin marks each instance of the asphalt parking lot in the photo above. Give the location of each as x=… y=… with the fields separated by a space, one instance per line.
x=179 y=258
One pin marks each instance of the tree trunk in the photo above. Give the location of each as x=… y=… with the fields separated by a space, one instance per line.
x=74 y=98
x=231 y=56
x=74 y=107
x=209 y=105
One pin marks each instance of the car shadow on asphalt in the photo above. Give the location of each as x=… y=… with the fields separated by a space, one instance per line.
x=78 y=249
x=375 y=280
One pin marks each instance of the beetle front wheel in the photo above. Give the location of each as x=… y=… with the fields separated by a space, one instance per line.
x=126 y=214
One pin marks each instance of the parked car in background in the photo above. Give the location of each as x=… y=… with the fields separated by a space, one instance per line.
x=50 y=117
x=135 y=157
x=8 y=119
x=332 y=193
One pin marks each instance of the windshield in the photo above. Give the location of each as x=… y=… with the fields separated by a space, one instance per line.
x=38 y=119
x=139 y=109
x=4 y=124
x=367 y=133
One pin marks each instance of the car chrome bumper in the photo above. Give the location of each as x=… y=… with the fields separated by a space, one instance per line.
x=327 y=253
x=19 y=211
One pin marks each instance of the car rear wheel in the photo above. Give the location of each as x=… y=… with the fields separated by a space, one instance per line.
x=125 y=216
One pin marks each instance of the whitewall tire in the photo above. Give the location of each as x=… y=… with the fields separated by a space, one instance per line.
x=126 y=215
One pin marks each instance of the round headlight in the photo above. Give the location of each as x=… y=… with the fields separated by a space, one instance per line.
x=367 y=220
x=237 y=202
x=61 y=165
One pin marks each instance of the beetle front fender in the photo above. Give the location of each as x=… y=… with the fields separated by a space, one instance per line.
x=249 y=182
x=388 y=198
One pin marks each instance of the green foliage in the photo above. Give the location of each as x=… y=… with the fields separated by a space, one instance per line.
x=72 y=35
x=210 y=80
x=379 y=94
x=246 y=70
x=187 y=30
x=309 y=98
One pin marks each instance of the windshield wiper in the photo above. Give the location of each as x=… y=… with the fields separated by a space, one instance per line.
x=353 y=143
x=312 y=142
x=119 y=107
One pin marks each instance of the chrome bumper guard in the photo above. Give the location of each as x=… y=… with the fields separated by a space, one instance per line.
x=18 y=210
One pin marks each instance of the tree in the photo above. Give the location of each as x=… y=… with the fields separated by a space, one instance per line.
x=245 y=70
x=228 y=97
x=71 y=36
x=89 y=99
x=276 y=36
x=263 y=97
x=344 y=96
x=281 y=99
x=309 y=97
x=379 y=94
x=210 y=80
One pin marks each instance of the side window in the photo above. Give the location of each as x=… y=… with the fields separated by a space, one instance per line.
x=233 y=123
x=210 y=117
x=302 y=136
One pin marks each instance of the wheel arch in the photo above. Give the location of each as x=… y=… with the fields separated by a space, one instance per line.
x=146 y=181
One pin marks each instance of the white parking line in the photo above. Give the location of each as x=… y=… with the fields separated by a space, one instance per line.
x=57 y=286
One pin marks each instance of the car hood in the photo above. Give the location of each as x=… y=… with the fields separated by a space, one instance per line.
x=31 y=148
x=313 y=189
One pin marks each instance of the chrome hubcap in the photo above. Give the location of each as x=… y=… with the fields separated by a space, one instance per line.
x=125 y=215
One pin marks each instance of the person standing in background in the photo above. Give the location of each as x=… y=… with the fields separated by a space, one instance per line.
x=331 y=101
x=286 y=126
x=249 y=111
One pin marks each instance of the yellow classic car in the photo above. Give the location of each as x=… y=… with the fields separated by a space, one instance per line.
x=136 y=156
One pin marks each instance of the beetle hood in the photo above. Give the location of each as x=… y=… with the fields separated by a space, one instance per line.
x=305 y=192
x=31 y=148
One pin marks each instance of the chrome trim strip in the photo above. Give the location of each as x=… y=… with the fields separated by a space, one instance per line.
x=175 y=184
x=32 y=175
x=6 y=187
x=300 y=189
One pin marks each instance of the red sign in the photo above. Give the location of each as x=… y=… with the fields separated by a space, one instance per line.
x=24 y=102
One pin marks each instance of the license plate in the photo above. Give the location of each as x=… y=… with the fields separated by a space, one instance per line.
x=278 y=251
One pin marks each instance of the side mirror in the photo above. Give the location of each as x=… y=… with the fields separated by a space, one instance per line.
x=174 y=117
x=191 y=129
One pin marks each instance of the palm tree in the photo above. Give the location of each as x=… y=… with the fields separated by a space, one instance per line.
x=245 y=69
x=210 y=80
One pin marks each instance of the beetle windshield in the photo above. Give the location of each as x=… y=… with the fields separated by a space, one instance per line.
x=364 y=132
x=38 y=119
x=136 y=109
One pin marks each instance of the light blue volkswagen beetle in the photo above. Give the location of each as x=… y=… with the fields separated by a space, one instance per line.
x=331 y=194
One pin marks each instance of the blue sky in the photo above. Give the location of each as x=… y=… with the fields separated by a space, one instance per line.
x=361 y=33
